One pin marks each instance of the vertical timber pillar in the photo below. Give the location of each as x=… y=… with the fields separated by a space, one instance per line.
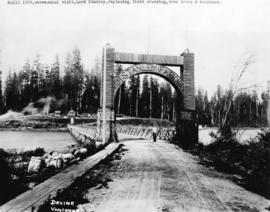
x=187 y=124
x=106 y=116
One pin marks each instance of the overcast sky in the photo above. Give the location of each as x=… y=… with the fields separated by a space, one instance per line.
x=219 y=35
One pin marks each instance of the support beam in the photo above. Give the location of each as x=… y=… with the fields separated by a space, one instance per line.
x=106 y=115
x=129 y=58
x=188 y=78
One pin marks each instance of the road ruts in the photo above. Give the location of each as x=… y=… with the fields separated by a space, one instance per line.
x=163 y=178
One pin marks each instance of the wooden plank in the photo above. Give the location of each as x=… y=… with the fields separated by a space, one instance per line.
x=39 y=194
x=61 y=182
x=129 y=58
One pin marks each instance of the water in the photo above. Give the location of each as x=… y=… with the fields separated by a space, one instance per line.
x=242 y=135
x=27 y=140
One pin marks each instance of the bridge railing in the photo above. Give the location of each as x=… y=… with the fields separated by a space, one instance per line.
x=89 y=133
x=146 y=132
x=83 y=134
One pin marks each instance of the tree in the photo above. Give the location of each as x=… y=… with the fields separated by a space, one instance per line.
x=1 y=95
x=78 y=77
x=144 y=102
x=155 y=98
x=90 y=97
x=73 y=82
x=34 y=79
x=25 y=87
x=55 y=80
x=12 y=92
x=168 y=101
x=240 y=70
x=134 y=86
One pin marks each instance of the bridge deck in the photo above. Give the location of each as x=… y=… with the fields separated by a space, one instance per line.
x=39 y=194
x=158 y=176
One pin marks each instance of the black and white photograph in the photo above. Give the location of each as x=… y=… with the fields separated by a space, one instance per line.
x=134 y=105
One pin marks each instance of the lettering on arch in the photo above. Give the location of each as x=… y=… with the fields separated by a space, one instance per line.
x=159 y=70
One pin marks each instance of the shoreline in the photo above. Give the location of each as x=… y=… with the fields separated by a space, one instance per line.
x=63 y=129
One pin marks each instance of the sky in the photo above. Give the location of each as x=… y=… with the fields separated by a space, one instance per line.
x=220 y=35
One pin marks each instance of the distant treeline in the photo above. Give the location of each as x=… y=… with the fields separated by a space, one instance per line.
x=79 y=89
x=146 y=97
x=247 y=109
x=158 y=100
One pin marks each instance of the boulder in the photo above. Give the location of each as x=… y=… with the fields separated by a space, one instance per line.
x=80 y=152
x=83 y=150
x=67 y=157
x=47 y=162
x=57 y=163
x=35 y=164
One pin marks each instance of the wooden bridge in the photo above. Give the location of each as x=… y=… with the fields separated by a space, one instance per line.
x=166 y=134
x=32 y=199
x=83 y=133
x=89 y=133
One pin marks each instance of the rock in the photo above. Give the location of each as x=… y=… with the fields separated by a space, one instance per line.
x=35 y=164
x=15 y=159
x=99 y=186
x=67 y=157
x=83 y=150
x=54 y=154
x=57 y=163
x=47 y=162
x=77 y=153
x=73 y=151
x=80 y=152
x=19 y=165
x=14 y=177
x=31 y=185
x=72 y=145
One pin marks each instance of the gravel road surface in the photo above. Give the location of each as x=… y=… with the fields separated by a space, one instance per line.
x=162 y=177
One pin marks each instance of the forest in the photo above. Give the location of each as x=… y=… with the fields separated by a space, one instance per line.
x=72 y=86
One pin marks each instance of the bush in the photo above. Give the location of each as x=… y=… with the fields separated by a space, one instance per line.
x=5 y=180
x=3 y=154
x=257 y=163
x=251 y=160
x=26 y=155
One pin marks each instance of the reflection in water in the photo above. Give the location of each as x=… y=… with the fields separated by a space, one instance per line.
x=26 y=140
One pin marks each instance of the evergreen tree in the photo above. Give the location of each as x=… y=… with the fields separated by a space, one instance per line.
x=145 y=98
x=34 y=80
x=73 y=80
x=134 y=86
x=25 y=90
x=90 y=97
x=2 y=109
x=68 y=84
x=155 y=98
x=55 y=80
x=12 y=92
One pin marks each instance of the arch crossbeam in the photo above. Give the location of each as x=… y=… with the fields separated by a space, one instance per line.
x=165 y=60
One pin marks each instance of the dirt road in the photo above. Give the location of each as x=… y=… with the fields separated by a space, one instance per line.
x=162 y=177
